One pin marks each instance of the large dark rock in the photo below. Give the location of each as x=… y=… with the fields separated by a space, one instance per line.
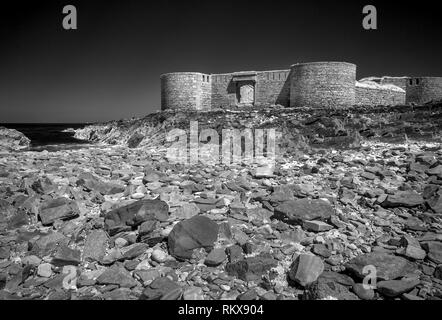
x=134 y=251
x=408 y=199
x=117 y=275
x=135 y=140
x=136 y=213
x=93 y=183
x=49 y=243
x=394 y=288
x=434 y=251
x=197 y=232
x=388 y=266
x=58 y=209
x=324 y=289
x=298 y=211
x=43 y=186
x=215 y=257
x=282 y=193
x=252 y=269
x=66 y=256
x=435 y=204
x=306 y=269
x=162 y=289
x=337 y=277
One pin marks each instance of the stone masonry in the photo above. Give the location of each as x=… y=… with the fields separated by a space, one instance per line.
x=316 y=84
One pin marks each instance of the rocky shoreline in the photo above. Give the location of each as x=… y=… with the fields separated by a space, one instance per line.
x=12 y=140
x=119 y=221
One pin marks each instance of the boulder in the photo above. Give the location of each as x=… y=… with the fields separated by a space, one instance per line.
x=118 y=276
x=394 y=288
x=12 y=140
x=253 y=268
x=215 y=257
x=388 y=266
x=197 y=232
x=66 y=256
x=136 y=213
x=435 y=204
x=95 y=245
x=135 y=140
x=434 y=251
x=162 y=289
x=306 y=269
x=93 y=183
x=324 y=289
x=58 y=209
x=298 y=211
x=408 y=199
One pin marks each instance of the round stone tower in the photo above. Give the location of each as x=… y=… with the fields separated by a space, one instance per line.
x=185 y=90
x=323 y=84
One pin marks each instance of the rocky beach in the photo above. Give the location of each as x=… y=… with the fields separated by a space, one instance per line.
x=354 y=193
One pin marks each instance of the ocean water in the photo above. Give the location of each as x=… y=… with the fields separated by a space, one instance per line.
x=49 y=136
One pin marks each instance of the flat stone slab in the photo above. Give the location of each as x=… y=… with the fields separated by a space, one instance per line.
x=58 y=209
x=394 y=288
x=317 y=226
x=118 y=276
x=408 y=199
x=95 y=245
x=298 y=211
x=388 y=266
x=136 y=213
x=251 y=269
x=434 y=251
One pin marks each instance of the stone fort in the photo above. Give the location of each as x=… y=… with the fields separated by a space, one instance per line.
x=316 y=84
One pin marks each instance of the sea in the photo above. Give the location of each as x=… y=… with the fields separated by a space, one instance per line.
x=50 y=136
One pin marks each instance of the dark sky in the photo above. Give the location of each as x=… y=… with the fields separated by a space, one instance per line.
x=109 y=67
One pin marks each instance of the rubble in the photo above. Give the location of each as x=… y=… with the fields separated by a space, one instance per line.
x=137 y=226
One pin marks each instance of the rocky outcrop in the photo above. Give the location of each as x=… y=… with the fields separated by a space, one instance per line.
x=11 y=139
x=297 y=128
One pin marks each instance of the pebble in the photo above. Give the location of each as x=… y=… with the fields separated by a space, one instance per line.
x=44 y=270
x=159 y=256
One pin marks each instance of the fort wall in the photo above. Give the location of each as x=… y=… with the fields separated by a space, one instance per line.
x=273 y=87
x=185 y=90
x=424 y=89
x=400 y=82
x=317 y=84
x=323 y=84
x=223 y=91
x=370 y=95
